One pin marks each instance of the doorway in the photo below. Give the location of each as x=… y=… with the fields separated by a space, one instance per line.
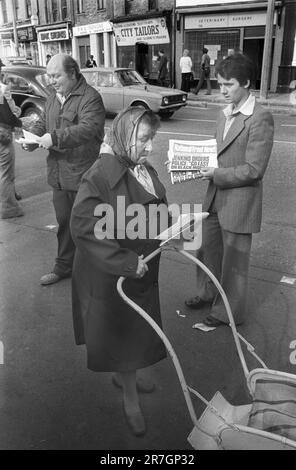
x=141 y=61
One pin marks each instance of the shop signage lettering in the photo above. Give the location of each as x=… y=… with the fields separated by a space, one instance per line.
x=54 y=35
x=193 y=3
x=95 y=28
x=229 y=20
x=151 y=31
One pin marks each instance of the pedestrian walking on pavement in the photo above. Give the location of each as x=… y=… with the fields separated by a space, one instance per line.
x=117 y=339
x=72 y=130
x=205 y=71
x=234 y=195
x=185 y=67
x=162 y=68
x=9 y=119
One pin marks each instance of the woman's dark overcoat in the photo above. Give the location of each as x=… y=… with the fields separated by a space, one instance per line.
x=117 y=338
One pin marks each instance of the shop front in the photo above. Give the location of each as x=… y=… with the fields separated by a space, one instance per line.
x=241 y=30
x=54 y=39
x=96 y=39
x=27 y=38
x=138 y=44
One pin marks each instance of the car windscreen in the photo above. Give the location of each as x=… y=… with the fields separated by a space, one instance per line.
x=130 y=77
x=44 y=80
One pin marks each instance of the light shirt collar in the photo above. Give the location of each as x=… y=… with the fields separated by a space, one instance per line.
x=61 y=98
x=247 y=108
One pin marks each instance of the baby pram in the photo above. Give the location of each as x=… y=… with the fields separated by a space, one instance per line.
x=268 y=423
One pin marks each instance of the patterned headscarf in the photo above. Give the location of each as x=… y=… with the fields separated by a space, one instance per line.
x=122 y=135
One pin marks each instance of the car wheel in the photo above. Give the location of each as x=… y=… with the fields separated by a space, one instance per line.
x=167 y=115
x=140 y=103
x=33 y=113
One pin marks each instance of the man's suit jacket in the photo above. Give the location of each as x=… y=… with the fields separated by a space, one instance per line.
x=242 y=159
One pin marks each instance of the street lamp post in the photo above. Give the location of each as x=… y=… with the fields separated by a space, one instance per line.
x=266 y=62
x=16 y=41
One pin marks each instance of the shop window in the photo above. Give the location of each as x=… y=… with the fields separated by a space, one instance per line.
x=153 y=5
x=80 y=6
x=128 y=6
x=220 y=40
x=101 y=4
x=64 y=8
x=17 y=9
x=28 y=7
x=126 y=57
x=55 y=10
x=4 y=11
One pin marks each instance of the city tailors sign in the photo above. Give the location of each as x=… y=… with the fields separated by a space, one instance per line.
x=150 y=31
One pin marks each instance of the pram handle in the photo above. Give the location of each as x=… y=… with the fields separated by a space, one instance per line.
x=186 y=389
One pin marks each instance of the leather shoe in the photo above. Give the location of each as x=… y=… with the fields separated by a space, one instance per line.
x=213 y=322
x=196 y=302
x=136 y=422
x=142 y=385
x=50 y=278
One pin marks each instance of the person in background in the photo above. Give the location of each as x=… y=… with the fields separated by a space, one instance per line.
x=185 y=66
x=90 y=63
x=117 y=338
x=9 y=119
x=48 y=57
x=162 y=68
x=234 y=195
x=205 y=72
x=72 y=129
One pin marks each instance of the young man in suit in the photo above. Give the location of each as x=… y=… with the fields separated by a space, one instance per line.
x=234 y=195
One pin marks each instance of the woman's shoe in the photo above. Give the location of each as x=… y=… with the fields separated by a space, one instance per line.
x=196 y=302
x=136 y=421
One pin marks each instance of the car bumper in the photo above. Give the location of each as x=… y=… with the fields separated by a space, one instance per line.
x=171 y=107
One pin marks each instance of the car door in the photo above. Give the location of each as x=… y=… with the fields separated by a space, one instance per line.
x=111 y=91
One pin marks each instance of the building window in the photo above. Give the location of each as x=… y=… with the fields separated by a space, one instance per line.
x=55 y=10
x=128 y=6
x=28 y=9
x=80 y=6
x=101 y=4
x=4 y=11
x=17 y=9
x=152 y=4
x=64 y=7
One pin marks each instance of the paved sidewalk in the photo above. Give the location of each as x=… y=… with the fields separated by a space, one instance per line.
x=277 y=102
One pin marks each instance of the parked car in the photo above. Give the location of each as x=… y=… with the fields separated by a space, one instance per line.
x=121 y=87
x=29 y=87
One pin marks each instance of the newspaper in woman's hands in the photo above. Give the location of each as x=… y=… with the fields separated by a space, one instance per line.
x=187 y=158
x=28 y=138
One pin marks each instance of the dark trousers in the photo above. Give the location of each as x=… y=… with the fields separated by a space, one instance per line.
x=63 y=201
x=185 y=84
x=227 y=255
x=204 y=76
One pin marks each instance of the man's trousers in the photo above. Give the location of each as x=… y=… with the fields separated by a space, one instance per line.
x=63 y=201
x=227 y=255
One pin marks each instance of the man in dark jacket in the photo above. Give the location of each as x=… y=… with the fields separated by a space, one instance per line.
x=72 y=129
x=162 y=68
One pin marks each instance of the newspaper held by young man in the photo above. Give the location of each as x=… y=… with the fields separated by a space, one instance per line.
x=188 y=157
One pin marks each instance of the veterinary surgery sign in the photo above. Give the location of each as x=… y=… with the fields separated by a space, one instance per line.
x=150 y=31
x=194 y=3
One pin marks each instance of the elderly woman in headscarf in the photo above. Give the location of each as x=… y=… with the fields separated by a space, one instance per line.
x=120 y=199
